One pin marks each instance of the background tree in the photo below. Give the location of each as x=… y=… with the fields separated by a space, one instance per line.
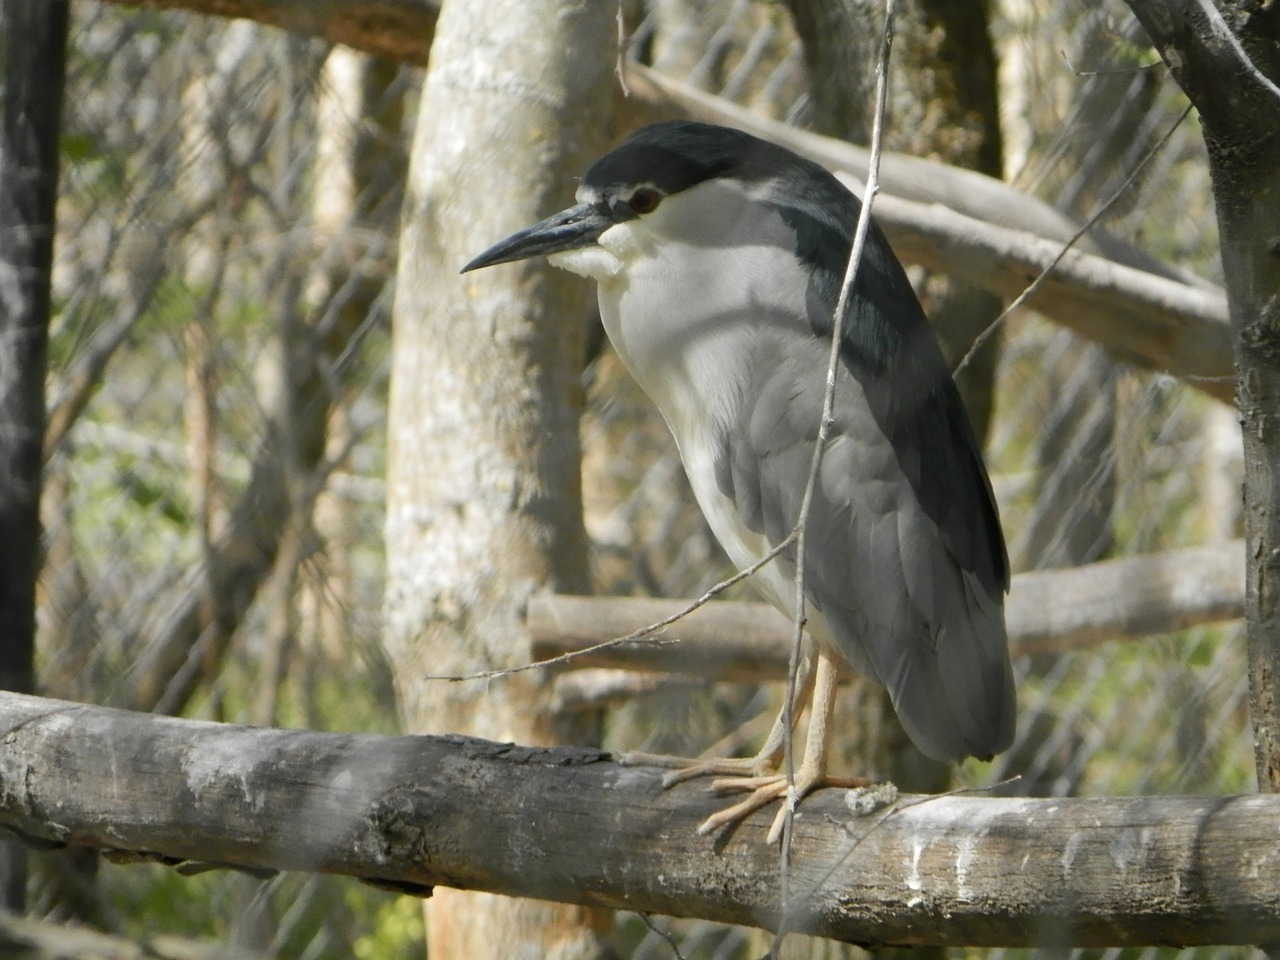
x=29 y=124
x=484 y=504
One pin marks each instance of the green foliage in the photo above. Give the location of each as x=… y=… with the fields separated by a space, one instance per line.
x=148 y=901
x=322 y=918
x=394 y=923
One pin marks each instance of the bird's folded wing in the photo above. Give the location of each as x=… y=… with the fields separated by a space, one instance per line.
x=892 y=572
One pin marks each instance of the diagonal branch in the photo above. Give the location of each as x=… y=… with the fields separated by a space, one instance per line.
x=1146 y=319
x=970 y=226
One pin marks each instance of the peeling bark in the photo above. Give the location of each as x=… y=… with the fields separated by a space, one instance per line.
x=484 y=504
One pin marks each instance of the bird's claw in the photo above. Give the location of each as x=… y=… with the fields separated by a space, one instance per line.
x=765 y=791
x=686 y=768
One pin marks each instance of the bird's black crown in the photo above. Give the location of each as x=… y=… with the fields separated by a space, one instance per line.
x=679 y=154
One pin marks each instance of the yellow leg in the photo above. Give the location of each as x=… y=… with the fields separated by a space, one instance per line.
x=767 y=760
x=811 y=773
x=759 y=776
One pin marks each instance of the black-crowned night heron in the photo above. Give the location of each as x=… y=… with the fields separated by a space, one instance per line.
x=719 y=258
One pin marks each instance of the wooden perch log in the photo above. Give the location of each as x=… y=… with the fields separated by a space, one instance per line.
x=572 y=825
x=1049 y=611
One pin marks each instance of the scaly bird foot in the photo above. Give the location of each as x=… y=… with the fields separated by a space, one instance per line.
x=743 y=775
x=764 y=790
x=759 y=774
x=689 y=768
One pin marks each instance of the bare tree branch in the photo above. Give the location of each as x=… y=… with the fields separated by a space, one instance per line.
x=397 y=29
x=569 y=824
x=1146 y=319
x=23 y=939
x=989 y=234
x=1048 y=611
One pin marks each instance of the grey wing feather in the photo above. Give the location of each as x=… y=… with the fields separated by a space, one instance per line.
x=901 y=601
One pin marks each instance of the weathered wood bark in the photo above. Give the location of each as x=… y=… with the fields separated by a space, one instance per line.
x=484 y=480
x=1049 y=611
x=1226 y=56
x=34 y=72
x=569 y=824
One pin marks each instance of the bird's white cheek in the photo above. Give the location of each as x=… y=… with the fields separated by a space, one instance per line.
x=595 y=262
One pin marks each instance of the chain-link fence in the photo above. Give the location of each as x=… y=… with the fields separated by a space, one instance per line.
x=213 y=505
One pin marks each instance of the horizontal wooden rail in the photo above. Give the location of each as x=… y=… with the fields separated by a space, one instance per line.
x=574 y=825
x=1048 y=611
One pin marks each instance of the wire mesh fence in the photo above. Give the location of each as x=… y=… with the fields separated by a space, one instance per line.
x=213 y=506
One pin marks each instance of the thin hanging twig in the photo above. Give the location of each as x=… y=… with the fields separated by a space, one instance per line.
x=645 y=634
x=1043 y=275
x=824 y=430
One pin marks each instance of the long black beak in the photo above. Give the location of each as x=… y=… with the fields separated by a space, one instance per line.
x=567 y=230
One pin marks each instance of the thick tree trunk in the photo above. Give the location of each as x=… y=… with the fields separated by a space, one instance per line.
x=484 y=487
x=33 y=81
x=1226 y=56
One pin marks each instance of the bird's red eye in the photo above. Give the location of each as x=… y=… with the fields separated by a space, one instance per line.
x=645 y=200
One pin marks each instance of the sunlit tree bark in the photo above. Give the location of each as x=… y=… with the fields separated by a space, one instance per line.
x=484 y=490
